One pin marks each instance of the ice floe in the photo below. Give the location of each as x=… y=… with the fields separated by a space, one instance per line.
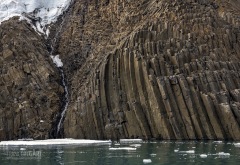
x=131 y=140
x=236 y=144
x=153 y=155
x=22 y=142
x=187 y=152
x=145 y=161
x=124 y=148
x=176 y=150
x=203 y=155
x=136 y=145
x=223 y=155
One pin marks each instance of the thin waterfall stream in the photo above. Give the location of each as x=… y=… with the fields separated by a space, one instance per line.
x=59 y=65
x=66 y=100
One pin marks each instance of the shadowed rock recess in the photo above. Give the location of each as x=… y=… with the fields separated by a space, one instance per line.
x=165 y=69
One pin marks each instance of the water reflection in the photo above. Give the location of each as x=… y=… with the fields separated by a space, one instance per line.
x=164 y=152
x=59 y=156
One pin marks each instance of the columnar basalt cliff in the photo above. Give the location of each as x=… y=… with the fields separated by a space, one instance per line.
x=134 y=69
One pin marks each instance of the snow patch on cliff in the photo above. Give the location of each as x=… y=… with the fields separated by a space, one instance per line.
x=57 y=61
x=44 y=12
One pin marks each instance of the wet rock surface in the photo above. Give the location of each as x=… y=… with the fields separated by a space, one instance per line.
x=134 y=69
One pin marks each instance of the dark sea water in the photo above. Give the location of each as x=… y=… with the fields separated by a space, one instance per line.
x=152 y=153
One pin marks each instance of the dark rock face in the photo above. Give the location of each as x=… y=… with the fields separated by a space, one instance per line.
x=154 y=69
x=135 y=69
x=29 y=88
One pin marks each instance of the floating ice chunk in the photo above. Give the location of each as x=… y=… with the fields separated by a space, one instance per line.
x=176 y=150
x=131 y=140
x=135 y=145
x=51 y=142
x=188 y=152
x=145 y=161
x=223 y=155
x=203 y=156
x=153 y=155
x=236 y=144
x=41 y=121
x=57 y=61
x=123 y=148
x=218 y=142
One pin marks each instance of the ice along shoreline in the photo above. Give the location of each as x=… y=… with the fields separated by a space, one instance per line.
x=31 y=142
x=53 y=142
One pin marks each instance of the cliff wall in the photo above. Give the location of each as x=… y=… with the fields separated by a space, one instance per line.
x=134 y=69
x=153 y=69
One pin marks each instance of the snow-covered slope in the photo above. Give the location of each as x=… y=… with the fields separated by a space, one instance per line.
x=45 y=11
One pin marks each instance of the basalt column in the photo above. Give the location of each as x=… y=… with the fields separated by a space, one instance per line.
x=155 y=69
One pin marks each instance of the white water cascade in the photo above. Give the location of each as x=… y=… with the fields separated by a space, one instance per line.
x=59 y=64
x=66 y=101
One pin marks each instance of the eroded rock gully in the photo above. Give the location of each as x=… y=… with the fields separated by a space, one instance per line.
x=138 y=69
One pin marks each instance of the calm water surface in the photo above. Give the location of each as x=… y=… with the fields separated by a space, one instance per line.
x=152 y=153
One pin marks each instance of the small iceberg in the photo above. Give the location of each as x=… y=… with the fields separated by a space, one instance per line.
x=176 y=150
x=24 y=142
x=223 y=155
x=236 y=144
x=123 y=148
x=131 y=140
x=136 y=145
x=22 y=149
x=153 y=155
x=187 y=152
x=145 y=161
x=203 y=156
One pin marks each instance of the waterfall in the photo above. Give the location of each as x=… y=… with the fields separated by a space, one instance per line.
x=66 y=100
x=59 y=64
x=43 y=19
